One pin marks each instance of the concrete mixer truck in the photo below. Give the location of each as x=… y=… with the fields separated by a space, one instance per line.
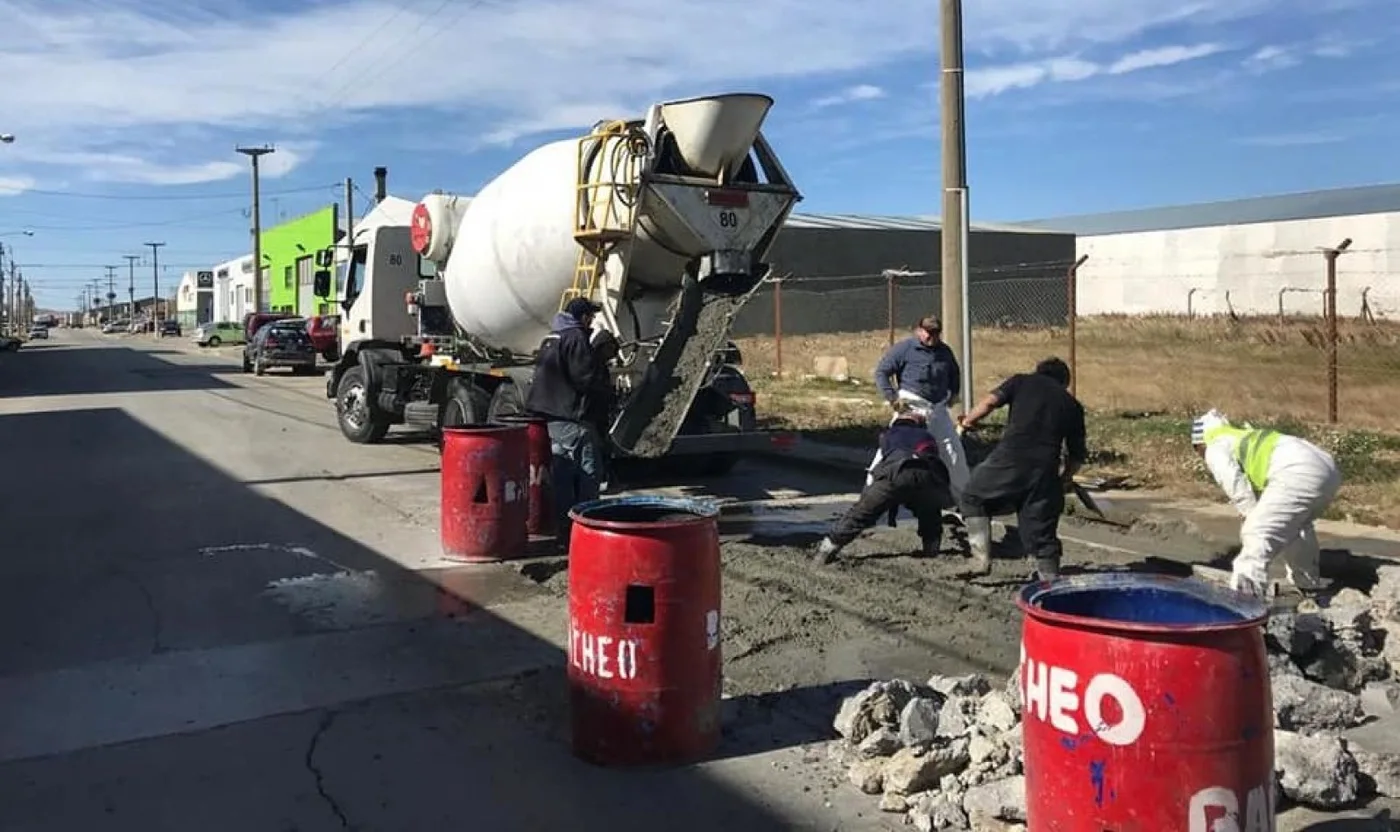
x=664 y=221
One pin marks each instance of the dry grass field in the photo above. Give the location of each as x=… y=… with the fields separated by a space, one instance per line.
x=1143 y=379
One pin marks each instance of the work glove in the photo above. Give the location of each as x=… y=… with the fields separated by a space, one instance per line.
x=1247 y=586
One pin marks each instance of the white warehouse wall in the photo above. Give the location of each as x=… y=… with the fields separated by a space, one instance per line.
x=1153 y=272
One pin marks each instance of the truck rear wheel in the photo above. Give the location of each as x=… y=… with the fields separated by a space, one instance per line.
x=506 y=401
x=354 y=411
x=467 y=404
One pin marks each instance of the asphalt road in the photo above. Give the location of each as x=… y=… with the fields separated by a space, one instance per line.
x=216 y=614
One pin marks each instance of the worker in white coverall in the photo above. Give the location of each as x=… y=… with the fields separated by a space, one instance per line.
x=1280 y=484
x=921 y=374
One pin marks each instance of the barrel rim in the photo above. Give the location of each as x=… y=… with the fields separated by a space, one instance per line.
x=700 y=511
x=481 y=430
x=1252 y=611
x=522 y=418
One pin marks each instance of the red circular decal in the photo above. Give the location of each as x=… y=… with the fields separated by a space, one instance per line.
x=420 y=230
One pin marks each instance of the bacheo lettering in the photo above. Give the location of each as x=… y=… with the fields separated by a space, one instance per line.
x=602 y=656
x=513 y=491
x=539 y=475
x=1053 y=694
x=1217 y=809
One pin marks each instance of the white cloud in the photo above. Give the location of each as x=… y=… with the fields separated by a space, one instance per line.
x=995 y=80
x=15 y=185
x=850 y=95
x=1270 y=58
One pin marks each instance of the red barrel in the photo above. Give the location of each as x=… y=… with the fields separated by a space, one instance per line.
x=1146 y=706
x=541 y=457
x=484 y=505
x=644 y=654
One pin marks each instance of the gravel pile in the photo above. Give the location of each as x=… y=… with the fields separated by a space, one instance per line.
x=1335 y=665
x=948 y=753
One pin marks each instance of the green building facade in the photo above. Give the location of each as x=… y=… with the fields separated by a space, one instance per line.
x=288 y=254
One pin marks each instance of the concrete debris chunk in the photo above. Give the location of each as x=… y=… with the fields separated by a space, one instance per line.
x=918 y=722
x=1296 y=634
x=1385 y=595
x=996 y=713
x=973 y=684
x=868 y=776
x=893 y=803
x=958 y=716
x=878 y=706
x=882 y=742
x=1379 y=772
x=1281 y=665
x=1013 y=691
x=1316 y=770
x=1308 y=707
x=938 y=811
x=1388 y=633
x=908 y=772
x=997 y=800
x=1346 y=665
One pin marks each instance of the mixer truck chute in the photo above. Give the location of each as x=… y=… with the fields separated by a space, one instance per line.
x=664 y=221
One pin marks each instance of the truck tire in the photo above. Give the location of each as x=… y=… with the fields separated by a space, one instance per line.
x=466 y=404
x=506 y=401
x=355 y=413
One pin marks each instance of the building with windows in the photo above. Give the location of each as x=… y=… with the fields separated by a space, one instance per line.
x=289 y=261
x=194 y=298
x=233 y=289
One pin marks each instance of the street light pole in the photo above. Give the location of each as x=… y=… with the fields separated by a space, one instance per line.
x=255 y=153
x=155 y=285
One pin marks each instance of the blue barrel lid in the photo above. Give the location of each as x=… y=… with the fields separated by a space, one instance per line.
x=1141 y=603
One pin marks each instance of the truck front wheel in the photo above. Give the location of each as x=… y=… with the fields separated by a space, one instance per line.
x=354 y=411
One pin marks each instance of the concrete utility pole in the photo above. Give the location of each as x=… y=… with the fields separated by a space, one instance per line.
x=954 y=232
x=95 y=288
x=111 y=291
x=255 y=153
x=4 y=319
x=155 y=287
x=131 y=284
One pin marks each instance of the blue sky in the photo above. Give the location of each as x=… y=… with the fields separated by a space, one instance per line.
x=126 y=113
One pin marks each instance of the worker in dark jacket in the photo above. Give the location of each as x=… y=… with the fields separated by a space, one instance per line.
x=566 y=383
x=909 y=474
x=921 y=374
x=1033 y=464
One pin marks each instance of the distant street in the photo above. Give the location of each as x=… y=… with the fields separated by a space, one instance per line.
x=216 y=614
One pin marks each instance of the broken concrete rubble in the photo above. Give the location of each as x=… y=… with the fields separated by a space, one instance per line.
x=929 y=749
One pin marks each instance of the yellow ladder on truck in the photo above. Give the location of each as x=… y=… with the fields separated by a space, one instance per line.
x=602 y=218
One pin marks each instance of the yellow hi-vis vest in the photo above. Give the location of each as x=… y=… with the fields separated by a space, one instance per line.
x=1253 y=451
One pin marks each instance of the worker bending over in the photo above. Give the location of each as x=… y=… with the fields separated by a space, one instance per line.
x=1280 y=484
x=909 y=474
x=925 y=378
x=1027 y=471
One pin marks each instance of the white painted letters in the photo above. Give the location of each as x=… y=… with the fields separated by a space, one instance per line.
x=1217 y=809
x=1053 y=694
x=539 y=474
x=513 y=491
x=602 y=656
x=711 y=629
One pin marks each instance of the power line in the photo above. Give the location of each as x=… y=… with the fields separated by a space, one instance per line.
x=173 y=197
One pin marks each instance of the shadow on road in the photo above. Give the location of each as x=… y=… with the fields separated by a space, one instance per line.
x=62 y=370
x=182 y=652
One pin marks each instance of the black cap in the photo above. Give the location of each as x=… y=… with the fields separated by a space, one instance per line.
x=578 y=307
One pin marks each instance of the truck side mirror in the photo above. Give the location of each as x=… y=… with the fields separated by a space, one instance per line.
x=321 y=283
x=324 y=258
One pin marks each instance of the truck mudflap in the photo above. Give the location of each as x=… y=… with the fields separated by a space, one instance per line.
x=653 y=415
x=733 y=442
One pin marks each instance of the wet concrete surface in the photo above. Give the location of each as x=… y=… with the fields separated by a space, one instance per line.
x=215 y=613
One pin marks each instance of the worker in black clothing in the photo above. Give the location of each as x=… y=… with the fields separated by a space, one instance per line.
x=910 y=474
x=568 y=382
x=1025 y=472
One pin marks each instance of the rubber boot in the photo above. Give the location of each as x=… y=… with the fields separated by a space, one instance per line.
x=826 y=552
x=1047 y=569
x=933 y=547
x=979 y=541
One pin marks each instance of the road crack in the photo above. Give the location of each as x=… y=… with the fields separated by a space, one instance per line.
x=152 y=610
x=326 y=721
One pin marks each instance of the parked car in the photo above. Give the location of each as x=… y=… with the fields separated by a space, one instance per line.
x=39 y=332
x=115 y=327
x=9 y=343
x=254 y=321
x=325 y=335
x=170 y=328
x=223 y=332
x=280 y=344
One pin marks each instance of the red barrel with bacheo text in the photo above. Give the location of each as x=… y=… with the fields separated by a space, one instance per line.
x=644 y=663
x=1146 y=706
x=539 y=459
x=484 y=507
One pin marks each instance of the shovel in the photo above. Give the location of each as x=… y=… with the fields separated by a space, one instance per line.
x=1093 y=505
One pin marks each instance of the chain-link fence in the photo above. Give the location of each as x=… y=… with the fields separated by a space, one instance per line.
x=1256 y=337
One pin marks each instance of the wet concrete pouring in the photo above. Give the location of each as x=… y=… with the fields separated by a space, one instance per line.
x=401 y=692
